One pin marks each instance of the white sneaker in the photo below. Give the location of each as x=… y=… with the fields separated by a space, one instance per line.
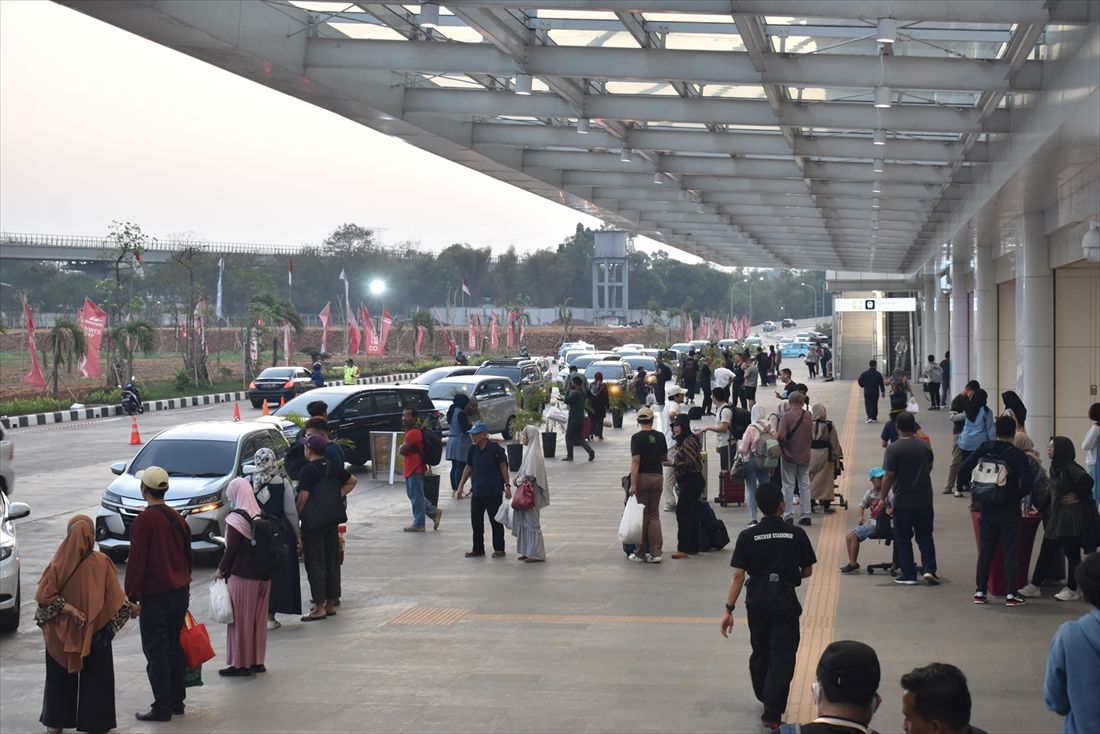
x=1031 y=591
x=636 y=558
x=274 y=624
x=1067 y=594
x=653 y=559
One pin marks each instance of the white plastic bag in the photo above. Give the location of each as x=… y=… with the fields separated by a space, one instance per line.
x=504 y=514
x=912 y=406
x=221 y=606
x=630 y=529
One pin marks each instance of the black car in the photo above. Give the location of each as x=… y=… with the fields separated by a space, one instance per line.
x=787 y=323
x=279 y=383
x=354 y=411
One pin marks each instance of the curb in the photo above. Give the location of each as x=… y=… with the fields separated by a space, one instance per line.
x=105 y=411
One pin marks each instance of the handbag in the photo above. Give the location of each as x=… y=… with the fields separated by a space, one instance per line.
x=912 y=406
x=738 y=469
x=524 y=498
x=195 y=641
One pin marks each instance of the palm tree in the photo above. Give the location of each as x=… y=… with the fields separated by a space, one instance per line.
x=266 y=308
x=66 y=342
x=425 y=319
x=130 y=337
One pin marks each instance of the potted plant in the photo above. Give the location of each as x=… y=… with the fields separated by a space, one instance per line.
x=622 y=400
x=526 y=417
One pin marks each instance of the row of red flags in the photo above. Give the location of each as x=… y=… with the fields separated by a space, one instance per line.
x=714 y=327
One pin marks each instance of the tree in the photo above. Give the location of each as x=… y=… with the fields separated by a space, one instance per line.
x=127 y=243
x=128 y=338
x=349 y=240
x=194 y=349
x=66 y=342
x=265 y=311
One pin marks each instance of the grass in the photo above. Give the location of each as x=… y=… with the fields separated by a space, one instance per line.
x=161 y=390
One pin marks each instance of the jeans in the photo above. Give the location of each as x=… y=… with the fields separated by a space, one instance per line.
x=414 y=488
x=457 y=467
x=918 y=521
x=773 y=610
x=945 y=390
x=160 y=621
x=791 y=472
x=1003 y=525
x=754 y=475
x=321 y=548
x=687 y=513
x=1092 y=470
x=870 y=404
x=479 y=507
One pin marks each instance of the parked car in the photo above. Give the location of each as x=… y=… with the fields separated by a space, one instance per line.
x=581 y=362
x=681 y=347
x=7 y=463
x=753 y=341
x=634 y=361
x=523 y=373
x=497 y=399
x=699 y=344
x=579 y=346
x=356 y=410
x=10 y=595
x=787 y=323
x=614 y=373
x=795 y=349
x=279 y=383
x=201 y=459
x=769 y=326
x=727 y=344
x=453 y=370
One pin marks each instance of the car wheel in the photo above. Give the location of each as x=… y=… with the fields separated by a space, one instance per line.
x=118 y=556
x=10 y=621
x=257 y=404
x=507 y=431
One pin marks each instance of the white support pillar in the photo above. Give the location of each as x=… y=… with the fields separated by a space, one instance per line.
x=985 y=319
x=1035 y=327
x=928 y=320
x=960 y=316
x=943 y=323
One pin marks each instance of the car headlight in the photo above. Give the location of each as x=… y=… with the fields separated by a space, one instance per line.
x=6 y=550
x=112 y=497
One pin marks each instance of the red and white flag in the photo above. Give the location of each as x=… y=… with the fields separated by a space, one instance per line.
x=93 y=322
x=286 y=342
x=471 y=341
x=353 y=333
x=465 y=289
x=420 y=332
x=34 y=377
x=522 y=326
x=325 y=316
x=139 y=270
x=494 y=335
x=689 y=327
x=387 y=322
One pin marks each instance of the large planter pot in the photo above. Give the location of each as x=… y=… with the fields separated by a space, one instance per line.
x=515 y=456
x=617 y=418
x=431 y=489
x=549 y=444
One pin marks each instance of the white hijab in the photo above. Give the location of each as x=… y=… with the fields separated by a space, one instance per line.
x=533 y=464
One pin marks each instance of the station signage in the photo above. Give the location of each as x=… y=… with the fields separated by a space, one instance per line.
x=875 y=304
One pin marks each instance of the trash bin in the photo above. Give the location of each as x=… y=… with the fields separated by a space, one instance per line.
x=1029 y=525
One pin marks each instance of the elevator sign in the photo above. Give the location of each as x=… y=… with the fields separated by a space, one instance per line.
x=875 y=304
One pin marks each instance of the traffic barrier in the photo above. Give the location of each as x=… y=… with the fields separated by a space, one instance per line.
x=135 y=437
x=236 y=412
x=264 y=410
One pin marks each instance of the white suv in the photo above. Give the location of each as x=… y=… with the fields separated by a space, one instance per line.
x=7 y=468
x=9 y=562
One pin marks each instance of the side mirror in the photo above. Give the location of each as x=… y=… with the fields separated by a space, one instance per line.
x=248 y=468
x=18 y=510
x=118 y=468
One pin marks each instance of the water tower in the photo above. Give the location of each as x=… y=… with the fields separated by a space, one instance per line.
x=610 y=279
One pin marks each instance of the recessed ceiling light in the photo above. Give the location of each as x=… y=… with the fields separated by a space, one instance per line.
x=887 y=31
x=880 y=137
x=883 y=96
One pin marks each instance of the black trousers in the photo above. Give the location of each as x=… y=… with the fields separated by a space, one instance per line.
x=870 y=404
x=690 y=488
x=479 y=507
x=1049 y=550
x=706 y=398
x=773 y=611
x=1003 y=526
x=321 y=549
x=597 y=423
x=160 y=621
x=84 y=701
x=573 y=438
x=457 y=467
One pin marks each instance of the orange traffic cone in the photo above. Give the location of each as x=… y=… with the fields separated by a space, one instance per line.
x=282 y=400
x=236 y=411
x=135 y=437
x=264 y=410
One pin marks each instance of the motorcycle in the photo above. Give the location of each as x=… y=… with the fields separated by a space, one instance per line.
x=131 y=399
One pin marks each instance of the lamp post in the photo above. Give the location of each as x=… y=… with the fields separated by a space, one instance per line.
x=812 y=288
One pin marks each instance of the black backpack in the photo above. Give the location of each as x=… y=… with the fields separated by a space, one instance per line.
x=269 y=543
x=432 y=451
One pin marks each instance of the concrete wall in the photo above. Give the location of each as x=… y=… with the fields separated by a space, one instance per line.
x=1077 y=348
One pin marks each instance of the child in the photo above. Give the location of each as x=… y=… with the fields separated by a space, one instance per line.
x=865 y=529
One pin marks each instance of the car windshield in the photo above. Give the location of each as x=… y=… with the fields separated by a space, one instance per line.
x=612 y=371
x=583 y=362
x=297 y=406
x=431 y=376
x=187 y=457
x=447 y=390
x=647 y=363
x=500 y=371
x=276 y=373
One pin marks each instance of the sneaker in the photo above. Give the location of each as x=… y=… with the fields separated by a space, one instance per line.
x=905 y=582
x=414 y=529
x=636 y=558
x=949 y=491
x=849 y=568
x=1067 y=594
x=436 y=518
x=958 y=494
x=931 y=578
x=274 y=624
x=1013 y=600
x=805 y=521
x=1030 y=592
x=980 y=598
x=870 y=420
x=653 y=559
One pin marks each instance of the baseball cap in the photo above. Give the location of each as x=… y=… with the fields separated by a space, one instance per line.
x=478 y=427
x=851 y=668
x=674 y=390
x=876 y=472
x=154 y=477
x=645 y=415
x=316 y=443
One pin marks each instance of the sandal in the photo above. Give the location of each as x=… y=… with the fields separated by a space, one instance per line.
x=311 y=618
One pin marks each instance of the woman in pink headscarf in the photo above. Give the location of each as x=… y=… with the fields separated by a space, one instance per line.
x=249 y=591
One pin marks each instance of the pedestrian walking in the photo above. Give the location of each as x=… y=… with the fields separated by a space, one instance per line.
x=412 y=448
x=275 y=496
x=81 y=607
x=795 y=433
x=748 y=387
x=648 y=454
x=775 y=557
x=1088 y=445
x=704 y=384
x=813 y=356
x=576 y=398
x=687 y=462
x=826 y=459
x=900 y=391
x=526 y=523
x=599 y=402
x=663 y=375
x=458 y=440
x=723 y=424
x=932 y=377
x=158 y=584
x=487 y=471
x=689 y=374
x=250 y=592
x=874 y=388
x=908 y=466
x=1073 y=668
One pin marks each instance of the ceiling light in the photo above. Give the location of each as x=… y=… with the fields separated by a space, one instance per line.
x=523 y=84
x=887 y=30
x=880 y=137
x=658 y=178
x=1090 y=243
x=877 y=166
x=624 y=154
x=582 y=125
x=883 y=95
x=429 y=15
x=876 y=188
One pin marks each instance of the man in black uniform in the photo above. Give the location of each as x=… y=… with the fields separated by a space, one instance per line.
x=845 y=692
x=873 y=385
x=776 y=556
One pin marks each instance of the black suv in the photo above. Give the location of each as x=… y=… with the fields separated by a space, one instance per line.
x=356 y=410
x=522 y=371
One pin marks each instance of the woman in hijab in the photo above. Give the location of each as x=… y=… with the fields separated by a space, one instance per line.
x=688 y=462
x=525 y=523
x=458 y=442
x=80 y=608
x=641 y=389
x=275 y=496
x=246 y=647
x=760 y=427
x=1014 y=408
x=1073 y=517
x=978 y=426
x=825 y=455
x=599 y=400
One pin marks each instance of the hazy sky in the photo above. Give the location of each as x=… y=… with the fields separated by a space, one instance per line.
x=98 y=124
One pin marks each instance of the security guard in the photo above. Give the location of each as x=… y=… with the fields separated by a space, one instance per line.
x=776 y=556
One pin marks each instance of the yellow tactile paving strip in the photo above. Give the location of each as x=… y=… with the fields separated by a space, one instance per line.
x=440 y=616
x=818 y=622
x=430 y=616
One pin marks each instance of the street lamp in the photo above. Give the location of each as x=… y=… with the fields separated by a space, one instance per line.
x=377 y=287
x=812 y=288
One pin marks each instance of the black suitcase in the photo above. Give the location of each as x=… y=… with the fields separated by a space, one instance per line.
x=712 y=533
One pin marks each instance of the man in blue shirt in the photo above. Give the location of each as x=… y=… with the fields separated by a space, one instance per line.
x=487 y=465
x=1073 y=668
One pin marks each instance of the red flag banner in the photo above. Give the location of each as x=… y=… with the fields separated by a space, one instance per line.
x=509 y=332
x=93 y=322
x=387 y=322
x=471 y=342
x=326 y=317
x=420 y=332
x=494 y=334
x=353 y=333
x=286 y=343
x=689 y=327
x=522 y=326
x=34 y=377
x=366 y=325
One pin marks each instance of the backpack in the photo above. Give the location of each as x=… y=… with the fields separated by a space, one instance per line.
x=1040 y=487
x=269 y=543
x=767 y=451
x=988 y=481
x=432 y=450
x=742 y=419
x=295 y=460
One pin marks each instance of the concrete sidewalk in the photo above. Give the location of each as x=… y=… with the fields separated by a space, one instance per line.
x=427 y=640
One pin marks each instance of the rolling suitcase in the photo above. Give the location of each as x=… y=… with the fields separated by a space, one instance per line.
x=712 y=533
x=730 y=489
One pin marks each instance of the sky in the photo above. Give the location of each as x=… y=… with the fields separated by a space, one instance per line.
x=97 y=124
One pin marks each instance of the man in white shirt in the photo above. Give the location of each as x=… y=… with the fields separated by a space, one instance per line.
x=723 y=376
x=674 y=398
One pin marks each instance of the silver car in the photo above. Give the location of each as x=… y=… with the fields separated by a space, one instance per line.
x=201 y=459
x=9 y=562
x=497 y=399
x=7 y=463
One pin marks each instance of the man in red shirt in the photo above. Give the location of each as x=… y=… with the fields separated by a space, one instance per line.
x=412 y=449
x=158 y=583
x=795 y=428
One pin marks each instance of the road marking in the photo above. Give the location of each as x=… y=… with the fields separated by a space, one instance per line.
x=450 y=616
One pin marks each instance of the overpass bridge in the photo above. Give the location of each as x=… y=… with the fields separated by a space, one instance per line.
x=84 y=248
